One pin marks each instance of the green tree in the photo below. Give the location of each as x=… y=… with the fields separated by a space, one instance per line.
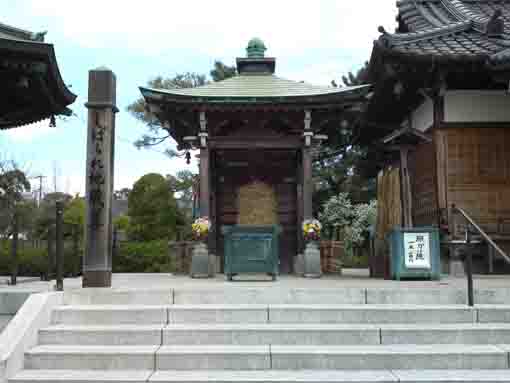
x=74 y=215
x=182 y=184
x=152 y=209
x=360 y=77
x=122 y=222
x=342 y=165
x=13 y=183
x=222 y=72
x=45 y=215
x=122 y=193
x=157 y=133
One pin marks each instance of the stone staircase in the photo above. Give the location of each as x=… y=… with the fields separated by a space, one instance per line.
x=268 y=342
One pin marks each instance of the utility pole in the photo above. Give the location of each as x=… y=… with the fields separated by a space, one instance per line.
x=40 y=178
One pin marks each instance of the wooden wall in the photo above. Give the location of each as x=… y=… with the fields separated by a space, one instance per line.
x=422 y=167
x=478 y=174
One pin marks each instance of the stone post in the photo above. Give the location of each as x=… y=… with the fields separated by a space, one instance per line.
x=97 y=262
x=59 y=245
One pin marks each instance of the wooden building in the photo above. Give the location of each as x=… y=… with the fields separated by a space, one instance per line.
x=254 y=129
x=439 y=116
x=31 y=88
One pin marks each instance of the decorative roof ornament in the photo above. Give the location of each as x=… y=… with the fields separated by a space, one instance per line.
x=496 y=25
x=38 y=36
x=256 y=48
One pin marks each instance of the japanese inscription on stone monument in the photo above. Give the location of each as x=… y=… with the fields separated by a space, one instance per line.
x=417 y=250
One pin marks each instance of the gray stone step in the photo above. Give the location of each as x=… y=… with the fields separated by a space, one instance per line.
x=265 y=334
x=263 y=376
x=338 y=376
x=81 y=376
x=273 y=376
x=388 y=357
x=277 y=334
x=110 y=314
x=371 y=314
x=493 y=313
x=114 y=296
x=72 y=357
x=452 y=376
x=458 y=333
x=119 y=335
x=211 y=357
x=242 y=313
x=273 y=295
x=209 y=313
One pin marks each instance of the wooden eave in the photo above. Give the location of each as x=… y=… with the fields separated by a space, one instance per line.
x=59 y=97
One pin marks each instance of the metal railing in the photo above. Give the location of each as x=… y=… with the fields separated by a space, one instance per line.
x=469 y=255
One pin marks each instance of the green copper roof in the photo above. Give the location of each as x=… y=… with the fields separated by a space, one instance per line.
x=256 y=48
x=250 y=87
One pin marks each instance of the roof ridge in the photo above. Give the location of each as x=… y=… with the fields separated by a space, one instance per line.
x=22 y=33
x=462 y=12
x=402 y=38
x=426 y=14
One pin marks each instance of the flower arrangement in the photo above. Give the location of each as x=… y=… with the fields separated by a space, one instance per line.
x=312 y=229
x=201 y=228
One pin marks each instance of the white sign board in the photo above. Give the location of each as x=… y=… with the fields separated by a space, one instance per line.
x=417 y=250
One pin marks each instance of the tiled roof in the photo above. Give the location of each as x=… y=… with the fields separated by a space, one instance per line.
x=449 y=30
x=47 y=94
x=11 y=33
x=250 y=88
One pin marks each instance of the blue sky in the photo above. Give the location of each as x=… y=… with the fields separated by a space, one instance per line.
x=314 y=41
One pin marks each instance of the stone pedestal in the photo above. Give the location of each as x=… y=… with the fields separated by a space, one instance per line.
x=312 y=261
x=97 y=262
x=299 y=264
x=456 y=263
x=201 y=264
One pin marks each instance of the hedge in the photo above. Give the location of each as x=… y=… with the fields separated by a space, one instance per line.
x=140 y=257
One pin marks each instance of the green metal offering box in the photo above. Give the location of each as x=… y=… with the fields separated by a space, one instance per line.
x=415 y=253
x=251 y=249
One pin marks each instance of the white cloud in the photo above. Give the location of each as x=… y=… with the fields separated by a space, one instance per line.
x=218 y=28
x=30 y=132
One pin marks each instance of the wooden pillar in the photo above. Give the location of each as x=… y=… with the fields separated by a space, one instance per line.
x=205 y=184
x=306 y=157
x=97 y=262
x=407 y=199
x=307 y=183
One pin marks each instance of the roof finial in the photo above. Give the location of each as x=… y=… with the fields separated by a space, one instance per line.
x=496 y=25
x=381 y=29
x=256 y=48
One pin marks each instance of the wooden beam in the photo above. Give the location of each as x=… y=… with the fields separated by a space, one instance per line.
x=254 y=143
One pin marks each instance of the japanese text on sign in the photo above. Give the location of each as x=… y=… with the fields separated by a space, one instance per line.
x=417 y=250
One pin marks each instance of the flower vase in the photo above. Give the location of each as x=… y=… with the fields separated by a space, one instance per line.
x=312 y=260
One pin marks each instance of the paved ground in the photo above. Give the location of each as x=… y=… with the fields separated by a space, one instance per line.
x=351 y=278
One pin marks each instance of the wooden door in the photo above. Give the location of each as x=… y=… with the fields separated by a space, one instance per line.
x=277 y=168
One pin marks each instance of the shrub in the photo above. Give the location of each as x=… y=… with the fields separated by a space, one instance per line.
x=33 y=262
x=140 y=257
